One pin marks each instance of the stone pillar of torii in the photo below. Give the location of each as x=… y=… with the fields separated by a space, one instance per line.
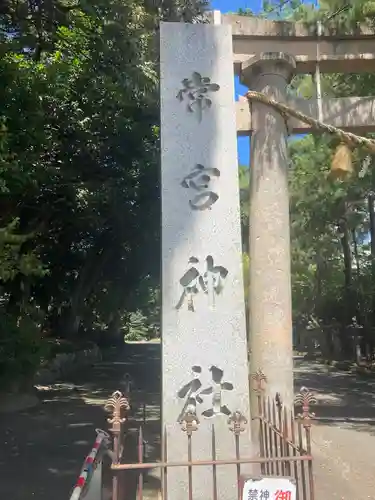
x=270 y=300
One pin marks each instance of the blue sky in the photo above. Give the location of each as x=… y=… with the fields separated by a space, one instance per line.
x=234 y=5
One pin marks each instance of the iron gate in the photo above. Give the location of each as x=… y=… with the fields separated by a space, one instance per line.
x=284 y=444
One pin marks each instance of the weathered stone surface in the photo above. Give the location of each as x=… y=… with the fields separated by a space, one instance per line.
x=338 y=53
x=270 y=303
x=203 y=328
x=256 y=27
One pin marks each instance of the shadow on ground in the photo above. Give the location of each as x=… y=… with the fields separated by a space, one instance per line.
x=343 y=398
x=43 y=448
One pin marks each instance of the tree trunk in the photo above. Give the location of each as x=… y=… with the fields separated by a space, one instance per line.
x=349 y=302
x=357 y=293
x=98 y=256
x=318 y=275
x=114 y=333
x=370 y=202
x=356 y=255
x=348 y=274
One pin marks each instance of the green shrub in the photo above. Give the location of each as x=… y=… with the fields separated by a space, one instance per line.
x=21 y=349
x=137 y=327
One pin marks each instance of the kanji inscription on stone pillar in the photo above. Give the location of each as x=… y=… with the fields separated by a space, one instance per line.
x=205 y=373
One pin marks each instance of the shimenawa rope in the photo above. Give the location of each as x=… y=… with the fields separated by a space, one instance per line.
x=347 y=137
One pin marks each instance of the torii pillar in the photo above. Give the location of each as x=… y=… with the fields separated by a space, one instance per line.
x=270 y=303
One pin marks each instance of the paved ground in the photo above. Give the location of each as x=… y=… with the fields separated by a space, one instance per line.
x=42 y=449
x=344 y=434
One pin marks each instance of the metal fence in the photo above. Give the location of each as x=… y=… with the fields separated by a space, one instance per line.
x=284 y=444
x=285 y=441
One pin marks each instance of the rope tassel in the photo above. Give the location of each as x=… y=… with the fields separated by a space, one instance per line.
x=342 y=165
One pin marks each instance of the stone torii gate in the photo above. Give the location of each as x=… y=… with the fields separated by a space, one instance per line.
x=262 y=69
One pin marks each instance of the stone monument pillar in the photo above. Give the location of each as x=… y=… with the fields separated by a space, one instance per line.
x=204 y=358
x=270 y=306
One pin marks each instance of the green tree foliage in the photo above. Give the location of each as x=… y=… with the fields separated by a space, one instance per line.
x=332 y=222
x=79 y=168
